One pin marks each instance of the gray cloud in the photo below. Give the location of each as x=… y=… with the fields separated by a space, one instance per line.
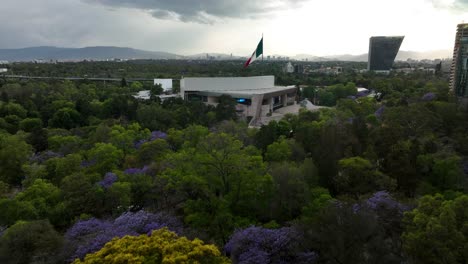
x=458 y=6
x=461 y=5
x=203 y=11
x=73 y=23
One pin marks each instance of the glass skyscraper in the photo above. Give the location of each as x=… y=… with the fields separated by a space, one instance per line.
x=459 y=70
x=382 y=52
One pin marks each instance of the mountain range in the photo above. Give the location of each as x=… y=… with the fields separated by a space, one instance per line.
x=46 y=53
x=90 y=53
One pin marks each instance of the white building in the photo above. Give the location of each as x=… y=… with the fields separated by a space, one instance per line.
x=166 y=84
x=289 y=68
x=3 y=70
x=256 y=96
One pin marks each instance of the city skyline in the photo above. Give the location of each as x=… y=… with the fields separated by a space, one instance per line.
x=289 y=27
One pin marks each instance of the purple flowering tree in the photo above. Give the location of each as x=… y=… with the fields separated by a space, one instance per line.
x=88 y=236
x=378 y=113
x=429 y=97
x=261 y=245
x=42 y=157
x=132 y=171
x=154 y=135
x=157 y=134
x=389 y=212
x=108 y=180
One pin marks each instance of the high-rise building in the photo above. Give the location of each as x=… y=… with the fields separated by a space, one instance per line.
x=459 y=69
x=382 y=52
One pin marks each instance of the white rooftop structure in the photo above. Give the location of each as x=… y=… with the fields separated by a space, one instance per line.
x=146 y=95
x=228 y=84
x=256 y=96
x=362 y=89
x=245 y=87
x=166 y=84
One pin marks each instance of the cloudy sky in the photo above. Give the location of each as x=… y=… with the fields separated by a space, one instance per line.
x=290 y=27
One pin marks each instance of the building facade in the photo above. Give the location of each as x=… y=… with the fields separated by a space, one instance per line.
x=459 y=69
x=255 y=96
x=382 y=52
x=166 y=84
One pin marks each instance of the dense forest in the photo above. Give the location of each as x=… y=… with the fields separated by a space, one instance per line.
x=89 y=174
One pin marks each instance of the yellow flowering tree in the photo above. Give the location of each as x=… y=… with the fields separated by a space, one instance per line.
x=162 y=246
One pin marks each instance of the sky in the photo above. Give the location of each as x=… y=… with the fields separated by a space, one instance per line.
x=187 y=27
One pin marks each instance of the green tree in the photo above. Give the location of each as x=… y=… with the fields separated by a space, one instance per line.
x=125 y=137
x=278 y=151
x=12 y=210
x=104 y=157
x=152 y=151
x=291 y=191
x=65 y=144
x=45 y=198
x=437 y=230
x=30 y=242
x=357 y=176
x=226 y=108
x=154 y=117
x=66 y=118
x=447 y=173
x=14 y=152
x=58 y=168
x=81 y=195
x=218 y=179
x=13 y=109
x=30 y=124
x=118 y=197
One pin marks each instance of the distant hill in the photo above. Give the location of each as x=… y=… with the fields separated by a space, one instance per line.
x=91 y=53
x=402 y=55
x=217 y=56
x=103 y=53
x=434 y=54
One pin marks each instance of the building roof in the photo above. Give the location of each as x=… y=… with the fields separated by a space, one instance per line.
x=248 y=93
x=238 y=87
x=226 y=83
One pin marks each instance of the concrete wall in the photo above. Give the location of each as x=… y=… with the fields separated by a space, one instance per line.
x=212 y=100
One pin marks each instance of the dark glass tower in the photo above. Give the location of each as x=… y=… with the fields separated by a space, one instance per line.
x=382 y=52
x=459 y=70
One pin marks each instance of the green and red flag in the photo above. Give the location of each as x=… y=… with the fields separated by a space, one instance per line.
x=258 y=51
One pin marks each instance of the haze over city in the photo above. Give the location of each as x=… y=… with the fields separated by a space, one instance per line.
x=289 y=27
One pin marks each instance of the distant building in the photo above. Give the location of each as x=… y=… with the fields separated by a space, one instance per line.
x=166 y=84
x=328 y=70
x=298 y=68
x=382 y=52
x=256 y=96
x=3 y=70
x=288 y=68
x=459 y=69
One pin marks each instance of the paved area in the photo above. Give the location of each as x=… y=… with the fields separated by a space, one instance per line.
x=278 y=114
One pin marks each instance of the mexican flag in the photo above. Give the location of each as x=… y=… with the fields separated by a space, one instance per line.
x=258 y=51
